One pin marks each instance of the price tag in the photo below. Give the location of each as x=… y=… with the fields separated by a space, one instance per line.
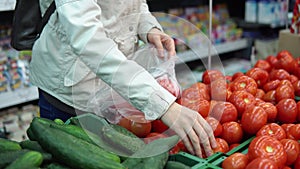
x=7 y=5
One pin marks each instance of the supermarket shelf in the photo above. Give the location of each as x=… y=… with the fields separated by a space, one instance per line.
x=18 y=96
x=189 y=55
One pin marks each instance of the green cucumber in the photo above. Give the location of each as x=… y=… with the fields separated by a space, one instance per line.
x=9 y=145
x=56 y=165
x=123 y=142
x=155 y=162
x=176 y=165
x=30 y=134
x=152 y=162
x=31 y=159
x=59 y=121
x=72 y=151
x=9 y=156
x=35 y=146
x=153 y=155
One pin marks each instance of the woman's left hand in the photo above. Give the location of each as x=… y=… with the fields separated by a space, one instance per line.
x=161 y=40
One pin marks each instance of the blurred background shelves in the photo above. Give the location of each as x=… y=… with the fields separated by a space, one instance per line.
x=18 y=96
x=189 y=55
x=7 y=5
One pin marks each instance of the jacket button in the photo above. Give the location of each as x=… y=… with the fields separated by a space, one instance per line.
x=130 y=28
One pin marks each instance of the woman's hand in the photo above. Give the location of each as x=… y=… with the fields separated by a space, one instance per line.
x=161 y=41
x=192 y=128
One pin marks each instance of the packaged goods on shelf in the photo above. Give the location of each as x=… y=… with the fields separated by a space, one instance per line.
x=13 y=64
x=190 y=26
x=271 y=12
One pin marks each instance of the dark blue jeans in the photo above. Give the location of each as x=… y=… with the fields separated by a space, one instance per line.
x=48 y=111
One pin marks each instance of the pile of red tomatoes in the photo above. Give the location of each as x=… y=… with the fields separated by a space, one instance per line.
x=260 y=102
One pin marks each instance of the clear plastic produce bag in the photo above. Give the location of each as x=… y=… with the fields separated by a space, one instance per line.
x=109 y=104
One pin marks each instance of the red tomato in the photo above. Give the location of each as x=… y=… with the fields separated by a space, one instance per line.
x=284 y=92
x=181 y=146
x=260 y=93
x=287 y=127
x=259 y=101
x=139 y=125
x=125 y=122
x=295 y=131
x=244 y=83
x=191 y=93
x=218 y=89
x=287 y=111
x=297 y=72
x=154 y=136
x=242 y=100
x=273 y=130
x=228 y=78
x=174 y=150
x=262 y=163
x=293 y=78
x=253 y=119
x=202 y=89
x=224 y=112
x=228 y=94
x=297 y=163
x=235 y=161
x=236 y=75
x=272 y=60
x=234 y=145
x=263 y=64
x=270 y=97
x=267 y=147
x=279 y=74
x=296 y=86
x=292 y=150
x=215 y=125
x=166 y=83
x=259 y=75
x=297 y=60
x=222 y=145
x=209 y=76
x=204 y=107
x=232 y=132
x=271 y=85
x=286 y=61
x=286 y=167
x=200 y=105
x=158 y=126
x=298 y=111
x=270 y=109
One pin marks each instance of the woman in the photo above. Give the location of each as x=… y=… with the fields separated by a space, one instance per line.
x=85 y=43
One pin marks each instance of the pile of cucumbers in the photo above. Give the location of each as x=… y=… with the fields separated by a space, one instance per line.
x=56 y=145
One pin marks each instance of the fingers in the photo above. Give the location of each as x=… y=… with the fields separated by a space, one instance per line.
x=169 y=44
x=209 y=131
x=204 y=140
x=161 y=40
x=193 y=129
x=186 y=142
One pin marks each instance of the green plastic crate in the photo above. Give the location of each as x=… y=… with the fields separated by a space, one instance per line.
x=242 y=148
x=210 y=166
x=189 y=160
x=215 y=161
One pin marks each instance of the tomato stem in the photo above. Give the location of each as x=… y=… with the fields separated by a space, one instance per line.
x=270 y=132
x=269 y=149
x=243 y=85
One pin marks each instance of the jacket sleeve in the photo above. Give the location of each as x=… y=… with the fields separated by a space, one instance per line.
x=147 y=22
x=86 y=35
